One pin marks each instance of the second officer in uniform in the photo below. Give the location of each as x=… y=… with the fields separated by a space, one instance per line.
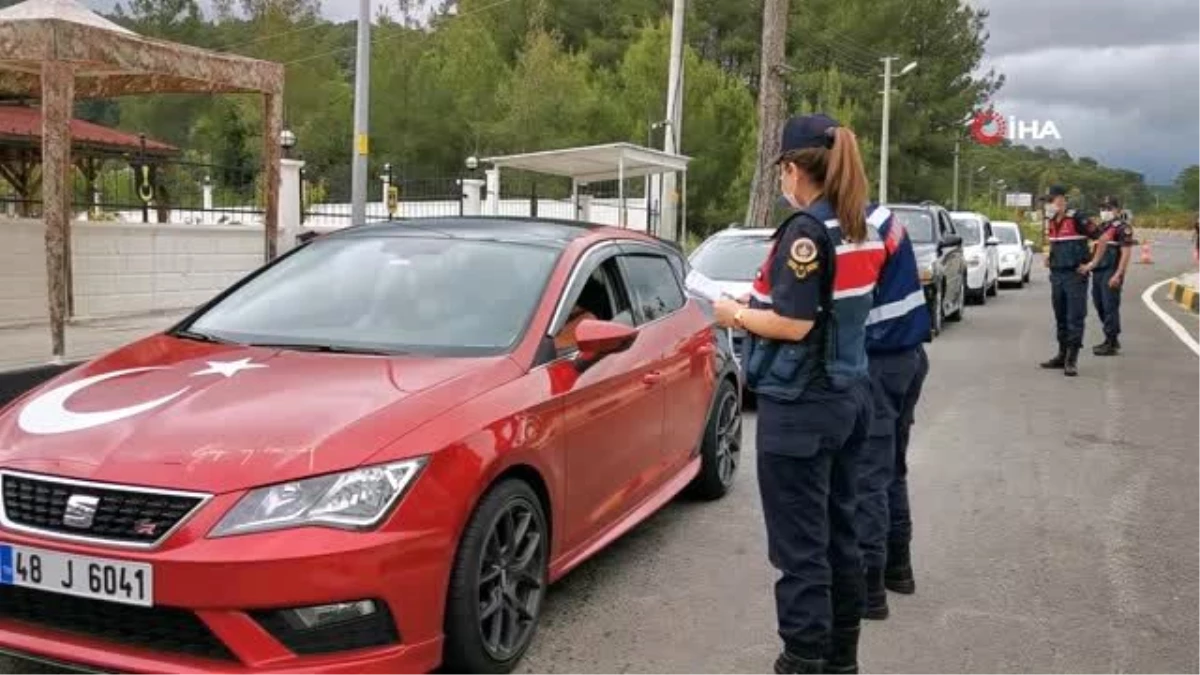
x=1116 y=242
x=1068 y=233
x=805 y=358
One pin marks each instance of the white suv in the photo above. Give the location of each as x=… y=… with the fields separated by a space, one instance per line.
x=979 y=250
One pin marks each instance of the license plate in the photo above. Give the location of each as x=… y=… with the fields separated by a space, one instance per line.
x=82 y=576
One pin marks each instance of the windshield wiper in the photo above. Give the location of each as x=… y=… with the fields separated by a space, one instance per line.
x=198 y=336
x=326 y=348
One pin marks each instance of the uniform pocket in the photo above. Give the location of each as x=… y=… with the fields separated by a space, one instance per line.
x=805 y=428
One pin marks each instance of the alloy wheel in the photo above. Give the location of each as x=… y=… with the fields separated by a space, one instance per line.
x=511 y=580
x=729 y=437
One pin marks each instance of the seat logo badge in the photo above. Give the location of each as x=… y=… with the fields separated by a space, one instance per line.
x=81 y=511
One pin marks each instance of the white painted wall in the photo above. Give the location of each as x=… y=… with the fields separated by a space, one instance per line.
x=128 y=268
x=123 y=269
x=23 y=289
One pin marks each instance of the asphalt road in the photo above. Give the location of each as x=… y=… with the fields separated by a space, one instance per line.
x=1056 y=522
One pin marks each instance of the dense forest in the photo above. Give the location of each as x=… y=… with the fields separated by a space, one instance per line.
x=455 y=78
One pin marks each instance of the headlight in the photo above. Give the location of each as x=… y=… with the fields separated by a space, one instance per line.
x=1010 y=257
x=926 y=275
x=353 y=500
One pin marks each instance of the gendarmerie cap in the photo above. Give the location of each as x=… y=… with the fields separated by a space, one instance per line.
x=807 y=131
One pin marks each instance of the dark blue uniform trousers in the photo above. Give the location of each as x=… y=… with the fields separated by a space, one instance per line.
x=1068 y=294
x=883 y=512
x=808 y=463
x=1107 y=301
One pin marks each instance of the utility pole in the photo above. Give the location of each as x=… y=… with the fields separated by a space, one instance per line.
x=885 y=136
x=674 y=118
x=957 y=150
x=770 y=113
x=362 y=116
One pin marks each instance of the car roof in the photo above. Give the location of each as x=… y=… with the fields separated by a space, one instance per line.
x=968 y=214
x=1005 y=223
x=730 y=232
x=549 y=232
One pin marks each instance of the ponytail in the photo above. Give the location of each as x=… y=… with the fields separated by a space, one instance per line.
x=846 y=185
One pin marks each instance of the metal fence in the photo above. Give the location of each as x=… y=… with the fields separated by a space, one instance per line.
x=388 y=198
x=159 y=191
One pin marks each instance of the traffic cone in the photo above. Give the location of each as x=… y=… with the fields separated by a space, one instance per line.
x=1147 y=258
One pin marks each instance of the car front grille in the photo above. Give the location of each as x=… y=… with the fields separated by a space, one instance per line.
x=122 y=515
x=160 y=629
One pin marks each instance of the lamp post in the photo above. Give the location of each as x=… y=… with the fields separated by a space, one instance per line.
x=287 y=141
x=885 y=136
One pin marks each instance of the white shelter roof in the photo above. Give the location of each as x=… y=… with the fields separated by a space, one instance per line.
x=596 y=162
x=60 y=10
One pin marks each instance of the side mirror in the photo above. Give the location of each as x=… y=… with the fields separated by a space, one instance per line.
x=597 y=339
x=951 y=241
x=1028 y=243
x=992 y=241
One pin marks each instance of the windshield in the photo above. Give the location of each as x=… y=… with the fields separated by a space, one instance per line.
x=919 y=224
x=1007 y=234
x=433 y=296
x=969 y=229
x=734 y=258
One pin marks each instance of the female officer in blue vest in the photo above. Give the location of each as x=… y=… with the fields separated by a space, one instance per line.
x=806 y=362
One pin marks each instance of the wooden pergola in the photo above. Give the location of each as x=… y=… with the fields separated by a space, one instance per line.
x=58 y=51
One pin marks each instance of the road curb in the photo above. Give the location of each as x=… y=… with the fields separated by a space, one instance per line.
x=1185 y=296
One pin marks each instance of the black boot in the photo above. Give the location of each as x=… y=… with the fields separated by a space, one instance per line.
x=898 y=575
x=1107 y=348
x=842 y=656
x=1116 y=344
x=877 y=605
x=790 y=663
x=1058 y=361
x=1069 y=368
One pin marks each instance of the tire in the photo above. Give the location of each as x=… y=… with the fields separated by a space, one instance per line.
x=957 y=315
x=1025 y=279
x=720 y=450
x=510 y=516
x=937 y=313
x=994 y=289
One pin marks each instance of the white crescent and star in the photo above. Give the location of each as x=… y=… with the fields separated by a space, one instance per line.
x=48 y=413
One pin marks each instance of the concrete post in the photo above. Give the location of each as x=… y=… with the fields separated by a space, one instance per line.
x=585 y=208
x=291 y=219
x=493 y=192
x=472 y=196
x=208 y=194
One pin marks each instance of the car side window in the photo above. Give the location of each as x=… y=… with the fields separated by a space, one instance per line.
x=596 y=293
x=653 y=285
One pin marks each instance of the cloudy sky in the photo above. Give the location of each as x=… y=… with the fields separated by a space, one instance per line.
x=1120 y=79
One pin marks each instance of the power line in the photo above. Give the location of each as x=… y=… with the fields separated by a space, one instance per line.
x=380 y=40
x=273 y=36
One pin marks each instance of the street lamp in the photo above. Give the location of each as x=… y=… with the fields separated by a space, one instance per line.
x=885 y=137
x=287 y=141
x=472 y=163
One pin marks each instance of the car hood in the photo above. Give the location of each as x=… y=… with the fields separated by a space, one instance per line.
x=1004 y=249
x=166 y=412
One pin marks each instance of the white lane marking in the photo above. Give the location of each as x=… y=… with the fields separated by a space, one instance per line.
x=1179 y=331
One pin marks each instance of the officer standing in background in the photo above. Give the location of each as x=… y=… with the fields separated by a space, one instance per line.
x=1114 y=249
x=897 y=329
x=805 y=359
x=1068 y=233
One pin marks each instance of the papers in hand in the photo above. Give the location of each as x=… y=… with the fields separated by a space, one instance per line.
x=703 y=287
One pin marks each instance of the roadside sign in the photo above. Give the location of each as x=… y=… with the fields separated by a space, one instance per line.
x=393 y=199
x=1018 y=199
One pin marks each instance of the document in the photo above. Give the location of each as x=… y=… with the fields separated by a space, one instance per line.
x=703 y=287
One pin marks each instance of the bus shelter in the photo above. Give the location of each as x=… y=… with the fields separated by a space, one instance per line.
x=600 y=163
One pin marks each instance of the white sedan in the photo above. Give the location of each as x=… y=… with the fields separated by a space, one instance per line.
x=1016 y=256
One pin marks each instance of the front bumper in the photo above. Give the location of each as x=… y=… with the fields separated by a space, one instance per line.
x=976 y=276
x=211 y=597
x=1012 y=270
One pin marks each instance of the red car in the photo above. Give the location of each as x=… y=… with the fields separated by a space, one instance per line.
x=372 y=455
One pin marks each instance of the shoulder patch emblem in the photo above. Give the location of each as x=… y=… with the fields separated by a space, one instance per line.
x=804 y=250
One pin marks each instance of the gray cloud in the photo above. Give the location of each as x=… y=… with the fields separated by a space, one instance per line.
x=1119 y=78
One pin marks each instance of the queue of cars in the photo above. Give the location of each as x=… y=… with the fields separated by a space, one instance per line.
x=963 y=257
x=371 y=455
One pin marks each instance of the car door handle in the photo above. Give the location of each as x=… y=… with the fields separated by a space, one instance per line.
x=652 y=379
